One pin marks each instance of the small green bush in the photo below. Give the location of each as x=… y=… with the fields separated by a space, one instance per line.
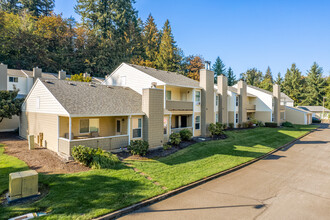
x=175 y=138
x=245 y=124
x=231 y=125
x=260 y=124
x=186 y=134
x=239 y=125
x=138 y=147
x=254 y=121
x=224 y=126
x=167 y=146
x=216 y=129
x=271 y=124
x=94 y=158
x=287 y=124
x=250 y=124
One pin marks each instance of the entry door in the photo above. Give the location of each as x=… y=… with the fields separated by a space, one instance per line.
x=183 y=121
x=118 y=126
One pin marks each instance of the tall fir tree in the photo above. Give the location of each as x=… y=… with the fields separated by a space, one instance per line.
x=252 y=77
x=327 y=95
x=167 y=57
x=292 y=84
x=279 y=79
x=218 y=68
x=12 y=6
x=315 y=86
x=38 y=7
x=231 y=77
x=151 y=40
x=267 y=82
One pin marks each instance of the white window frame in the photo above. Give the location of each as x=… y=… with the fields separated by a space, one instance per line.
x=237 y=118
x=13 y=79
x=216 y=100
x=168 y=95
x=198 y=122
x=89 y=127
x=237 y=100
x=139 y=128
x=120 y=126
x=197 y=97
x=216 y=117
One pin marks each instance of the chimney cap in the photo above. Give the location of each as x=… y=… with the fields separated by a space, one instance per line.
x=207 y=65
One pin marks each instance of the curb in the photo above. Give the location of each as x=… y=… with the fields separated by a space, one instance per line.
x=134 y=207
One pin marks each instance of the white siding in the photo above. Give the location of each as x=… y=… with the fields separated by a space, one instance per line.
x=48 y=103
x=263 y=102
x=135 y=79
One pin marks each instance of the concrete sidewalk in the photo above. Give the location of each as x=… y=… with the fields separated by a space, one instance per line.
x=293 y=183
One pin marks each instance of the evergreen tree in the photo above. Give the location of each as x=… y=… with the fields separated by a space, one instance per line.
x=10 y=105
x=218 y=68
x=315 y=86
x=327 y=90
x=231 y=77
x=11 y=6
x=252 y=77
x=267 y=82
x=151 y=40
x=292 y=84
x=38 y=7
x=168 y=57
x=279 y=79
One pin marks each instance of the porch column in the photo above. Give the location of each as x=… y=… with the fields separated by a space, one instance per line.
x=129 y=129
x=164 y=96
x=179 y=121
x=193 y=115
x=70 y=129
x=170 y=124
x=58 y=134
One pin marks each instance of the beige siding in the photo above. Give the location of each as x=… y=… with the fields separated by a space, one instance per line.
x=47 y=102
x=263 y=116
x=131 y=131
x=35 y=123
x=231 y=117
x=295 y=116
x=197 y=132
x=9 y=124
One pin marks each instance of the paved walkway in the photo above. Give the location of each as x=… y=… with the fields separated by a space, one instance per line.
x=294 y=183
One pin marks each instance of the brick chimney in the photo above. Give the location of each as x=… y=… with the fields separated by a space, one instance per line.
x=36 y=73
x=222 y=90
x=277 y=104
x=3 y=77
x=153 y=121
x=241 y=89
x=61 y=75
x=207 y=98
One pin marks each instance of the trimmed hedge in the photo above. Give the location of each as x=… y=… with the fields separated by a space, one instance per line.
x=138 y=147
x=175 y=138
x=287 y=124
x=186 y=134
x=271 y=124
x=216 y=129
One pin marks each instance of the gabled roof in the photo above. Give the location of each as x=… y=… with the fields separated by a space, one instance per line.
x=262 y=90
x=16 y=73
x=286 y=98
x=86 y=99
x=299 y=109
x=314 y=108
x=170 y=78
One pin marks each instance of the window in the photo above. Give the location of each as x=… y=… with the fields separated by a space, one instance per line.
x=237 y=100
x=236 y=118
x=89 y=125
x=198 y=96
x=84 y=126
x=123 y=80
x=216 y=100
x=198 y=122
x=216 y=117
x=165 y=125
x=168 y=95
x=13 y=79
x=137 y=127
x=38 y=103
x=118 y=126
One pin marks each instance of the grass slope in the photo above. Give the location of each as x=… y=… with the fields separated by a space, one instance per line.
x=204 y=159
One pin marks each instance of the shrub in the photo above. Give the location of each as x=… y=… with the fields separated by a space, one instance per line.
x=231 y=125
x=175 y=138
x=287 y=124
x=250 y=124
x=224 y=126
x=271 y=124
x=167 y=146
x=260 y=124
x=94 y=158
x=239 y=125
x=254 y=121
x=186 y=134
x=138 y=147
x=245 y=124
x=216 y=129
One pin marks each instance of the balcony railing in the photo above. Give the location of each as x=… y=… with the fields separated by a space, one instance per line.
x=251 y=107
x=179 y=105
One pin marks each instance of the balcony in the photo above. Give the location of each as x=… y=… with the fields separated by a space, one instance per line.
x=179 y=105
x=251 y=107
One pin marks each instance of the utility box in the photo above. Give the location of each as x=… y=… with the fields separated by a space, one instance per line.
x=23 y=184
x=31 y=142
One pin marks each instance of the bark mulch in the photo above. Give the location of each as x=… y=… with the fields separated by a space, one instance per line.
x=41 y=159
x=160 y=152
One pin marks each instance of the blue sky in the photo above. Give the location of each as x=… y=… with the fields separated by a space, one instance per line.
x=245 y=34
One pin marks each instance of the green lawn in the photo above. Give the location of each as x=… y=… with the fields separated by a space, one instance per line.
x=204 y=159
x=89 y=194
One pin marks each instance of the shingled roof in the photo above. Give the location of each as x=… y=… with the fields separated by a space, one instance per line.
x=314 y=108
x=171 y=78
x=86 y=99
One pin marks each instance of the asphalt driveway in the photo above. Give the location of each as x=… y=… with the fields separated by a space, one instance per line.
x=294 y=183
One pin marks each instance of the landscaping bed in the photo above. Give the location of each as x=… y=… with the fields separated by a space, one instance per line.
x=161 y=152
x=41 y=159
